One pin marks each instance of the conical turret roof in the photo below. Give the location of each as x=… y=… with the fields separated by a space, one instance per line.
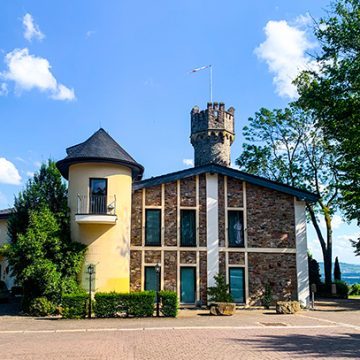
x=100 y=147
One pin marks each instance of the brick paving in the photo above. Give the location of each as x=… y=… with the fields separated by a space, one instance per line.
x=332 y=331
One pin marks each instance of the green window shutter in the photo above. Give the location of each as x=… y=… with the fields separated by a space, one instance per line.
x=152 y=279
x=236 y=278
x=187 y=285
x=188 y=228
x=235 y=229
x=153 y=227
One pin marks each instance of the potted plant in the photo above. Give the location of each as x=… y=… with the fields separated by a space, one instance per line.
x=220 y=299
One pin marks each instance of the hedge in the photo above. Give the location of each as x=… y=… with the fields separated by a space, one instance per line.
x=169 y=303
x=75 y=306
x=138 y=304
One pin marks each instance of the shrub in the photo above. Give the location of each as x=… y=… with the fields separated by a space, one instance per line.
x=74 y=306
x=267 y=298
x=169 y=303
x=137 y=304
x=106 y=304
x=219 y=292
x=342 y=289
x=355 y=289
x=41 y=306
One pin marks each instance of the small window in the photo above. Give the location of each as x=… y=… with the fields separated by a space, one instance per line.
x=153 y=227
x=98 y=196
x=188 y=227
x=235 y=229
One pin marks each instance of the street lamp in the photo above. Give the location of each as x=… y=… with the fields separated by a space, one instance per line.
x=157 y=270
x=91 y=272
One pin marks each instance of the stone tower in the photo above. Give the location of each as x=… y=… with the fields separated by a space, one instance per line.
x=212 y=133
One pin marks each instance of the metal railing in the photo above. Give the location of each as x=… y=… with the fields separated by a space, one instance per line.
x=96 y=204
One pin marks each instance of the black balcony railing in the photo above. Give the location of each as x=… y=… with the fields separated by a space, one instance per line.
x=96 y=204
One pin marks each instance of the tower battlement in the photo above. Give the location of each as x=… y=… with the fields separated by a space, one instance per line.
x=212 y=133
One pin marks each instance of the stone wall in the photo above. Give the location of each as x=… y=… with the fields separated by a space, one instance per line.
x=153 y=196
x=270 y=218
x=152 y=256
x=236 y=258
x=203 y=277
x=277 y=270
x=221 y=211
x=202 y=211
x=135 y=270
x=170 y=270
x=136 y=218
x=170 y=214
x=234 y=192
x=188 y=191
x=187 y=257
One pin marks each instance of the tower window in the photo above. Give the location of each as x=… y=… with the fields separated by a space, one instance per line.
x=153 y=227
x=188 y=227
x=235 y=228
x=98 y=196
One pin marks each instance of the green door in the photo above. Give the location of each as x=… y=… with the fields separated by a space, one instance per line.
x=187 y=285
x=236 y=277
x=152 y=279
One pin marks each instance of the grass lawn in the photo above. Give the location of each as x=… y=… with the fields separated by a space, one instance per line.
x=354 y=296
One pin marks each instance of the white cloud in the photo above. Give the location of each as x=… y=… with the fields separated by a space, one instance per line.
x=29 y=71
x=9 y=173
x=284 y=51
x=336 y=222
x=31 y=30
x=188 y=162
x=3 y=89
x=30 y=173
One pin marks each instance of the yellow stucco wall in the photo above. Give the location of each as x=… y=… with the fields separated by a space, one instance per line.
x=108 y=245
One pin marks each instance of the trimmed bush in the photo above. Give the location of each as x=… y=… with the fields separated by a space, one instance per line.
x=342 y=289
x=169 y=303
x=41 y=306
x=355 y=289
x=75 y=305
x=106 y=304
x=138 y=304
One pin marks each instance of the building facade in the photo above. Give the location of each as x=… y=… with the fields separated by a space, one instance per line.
x=178 y=230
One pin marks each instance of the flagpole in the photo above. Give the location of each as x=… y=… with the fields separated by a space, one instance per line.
x=211 y=95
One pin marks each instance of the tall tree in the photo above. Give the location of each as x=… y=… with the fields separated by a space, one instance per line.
x=284 y=146
x=337 y=272
x=332 y=94
x=41 y=254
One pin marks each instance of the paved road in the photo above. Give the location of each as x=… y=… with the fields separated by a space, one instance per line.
x=333 y=331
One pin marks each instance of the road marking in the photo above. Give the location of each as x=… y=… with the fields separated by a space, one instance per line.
x=170 y=328
x=356 y=327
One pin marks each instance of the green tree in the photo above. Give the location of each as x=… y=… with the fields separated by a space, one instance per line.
x=284 y=146
x=337 y=272
x=221 y=291
x=41 y=254
x=332 y=94
x=314 y=271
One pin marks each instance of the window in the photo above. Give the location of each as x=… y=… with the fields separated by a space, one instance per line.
x=188 y=228
x=153 y=227
x=236 y=277
x=235 y=228
x=187 y=285
x=98 y=196
x=152 y=279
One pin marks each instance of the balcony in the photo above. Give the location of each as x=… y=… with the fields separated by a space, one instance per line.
x=96 y=209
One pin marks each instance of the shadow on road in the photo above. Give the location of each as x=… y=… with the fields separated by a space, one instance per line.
x=335 y=305
x=11 y=308
x=339 y=346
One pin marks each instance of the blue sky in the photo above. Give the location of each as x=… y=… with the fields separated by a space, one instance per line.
x=68 y=67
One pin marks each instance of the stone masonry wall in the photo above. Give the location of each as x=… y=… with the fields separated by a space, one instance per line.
x=135 y=270
x=188 y=191
x=136 y=218
x=277 y=270
x=235 y=192
x=202 y=211
x=236 y=258
x=221 y=211
x=270 y=218
x=170 y=214
x=170 y=270
x=153 y=196
x=203 y=276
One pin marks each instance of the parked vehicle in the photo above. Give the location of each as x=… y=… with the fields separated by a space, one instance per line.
x=4 y=292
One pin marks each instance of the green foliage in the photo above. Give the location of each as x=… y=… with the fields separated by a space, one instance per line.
x=42 y=256
x=169 y=303
x=337 y=272
x=267 y=298
x=74 y=306
x=356 y=245
x=138 y=304
x=221 y=291
x=314 y=271
x=354 y=289
x=333 y=94
x=42 y=307
x=284 y=146
x=342 y=289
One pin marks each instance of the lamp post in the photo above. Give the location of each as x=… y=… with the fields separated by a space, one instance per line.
x=91 y=272
x=157 y=270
